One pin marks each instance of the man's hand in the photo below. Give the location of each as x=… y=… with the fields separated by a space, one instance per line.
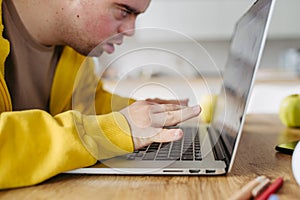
x=183 y=102
x=148 y=119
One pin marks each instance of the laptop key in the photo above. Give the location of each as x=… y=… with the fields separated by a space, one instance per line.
x=131 y=157
x=186 y=149
x=149 y=156
x=187 y=157
x=139 y=155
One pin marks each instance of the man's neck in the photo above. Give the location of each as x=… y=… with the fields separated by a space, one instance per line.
x=38 y=19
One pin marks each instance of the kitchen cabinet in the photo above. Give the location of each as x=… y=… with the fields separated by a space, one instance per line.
x=214 y=19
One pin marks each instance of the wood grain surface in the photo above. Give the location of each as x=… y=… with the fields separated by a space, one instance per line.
x=256 y=156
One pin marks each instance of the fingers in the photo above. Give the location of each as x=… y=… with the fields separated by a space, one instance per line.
x=158 y=108
x=183 y=102
x=170 y=118
x=168 y=135
x=147 y=120
x=143 y=114
x=159 y=135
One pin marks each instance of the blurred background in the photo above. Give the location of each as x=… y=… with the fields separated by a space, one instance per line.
x=210 y=23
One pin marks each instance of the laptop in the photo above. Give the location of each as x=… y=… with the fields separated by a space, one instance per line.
x=207 y=149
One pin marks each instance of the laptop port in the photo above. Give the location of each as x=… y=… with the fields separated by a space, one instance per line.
x=194 y=171
x=172 y=171
x=210 y=171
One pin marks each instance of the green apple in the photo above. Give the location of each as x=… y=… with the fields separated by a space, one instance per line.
x=207 y=103
x=289 y=112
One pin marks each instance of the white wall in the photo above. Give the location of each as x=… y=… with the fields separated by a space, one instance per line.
x=210 y=23
x=215 y=19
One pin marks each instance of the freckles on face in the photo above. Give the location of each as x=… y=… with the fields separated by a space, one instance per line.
x=98 y=23
x=100 y=27
x=95 y=21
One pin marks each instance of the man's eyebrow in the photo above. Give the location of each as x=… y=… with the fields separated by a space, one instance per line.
x=129 y=8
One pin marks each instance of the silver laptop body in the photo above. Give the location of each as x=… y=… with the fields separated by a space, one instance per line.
x=207 y=149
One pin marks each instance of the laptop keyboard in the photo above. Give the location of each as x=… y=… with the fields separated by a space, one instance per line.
x=186 y=149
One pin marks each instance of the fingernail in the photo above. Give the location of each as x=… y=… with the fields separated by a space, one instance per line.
x=178 y=134
x=196 y=109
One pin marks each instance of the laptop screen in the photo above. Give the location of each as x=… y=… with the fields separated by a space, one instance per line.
x=243 y=60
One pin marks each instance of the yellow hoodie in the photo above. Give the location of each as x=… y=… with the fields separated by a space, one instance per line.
x=36 y=145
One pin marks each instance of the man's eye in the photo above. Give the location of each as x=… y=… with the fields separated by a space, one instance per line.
x=124 y=13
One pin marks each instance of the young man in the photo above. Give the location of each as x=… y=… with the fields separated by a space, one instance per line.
x=42 y=131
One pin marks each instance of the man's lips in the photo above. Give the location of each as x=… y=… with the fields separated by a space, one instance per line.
x=109 y=46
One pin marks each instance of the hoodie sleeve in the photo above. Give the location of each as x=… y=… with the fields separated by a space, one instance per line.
x=35 y=146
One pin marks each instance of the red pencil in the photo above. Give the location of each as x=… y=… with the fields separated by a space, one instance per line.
x=271 y=189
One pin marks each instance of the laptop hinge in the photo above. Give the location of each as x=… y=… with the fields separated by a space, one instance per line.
x=218 y=146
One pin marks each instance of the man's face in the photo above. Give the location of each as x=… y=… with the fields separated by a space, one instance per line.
x=89 y=23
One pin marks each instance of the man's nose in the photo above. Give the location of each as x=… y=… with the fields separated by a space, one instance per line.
x=128 y=28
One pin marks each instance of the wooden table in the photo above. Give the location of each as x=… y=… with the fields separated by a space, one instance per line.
x=256 y=156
